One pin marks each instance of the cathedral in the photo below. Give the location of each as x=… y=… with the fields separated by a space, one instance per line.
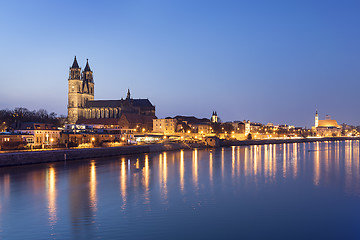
x=83 y=108
x=327 y=127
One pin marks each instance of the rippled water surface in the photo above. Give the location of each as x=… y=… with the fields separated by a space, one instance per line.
x=284 y=191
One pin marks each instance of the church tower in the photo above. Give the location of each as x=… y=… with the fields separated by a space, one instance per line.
x=87 y=87
x=81 y=89
x=214 y=117
x=316 y=119
x=74 y=92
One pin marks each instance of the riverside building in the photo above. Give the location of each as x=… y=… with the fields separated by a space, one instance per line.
x=326 y=128
x=82 y=108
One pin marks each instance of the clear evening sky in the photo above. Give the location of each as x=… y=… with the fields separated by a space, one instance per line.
x=266 y=61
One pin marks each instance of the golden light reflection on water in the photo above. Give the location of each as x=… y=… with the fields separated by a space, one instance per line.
x=274 y=161
x=266 y=161
x=163 y=174
x=233 y=159
x=51 y=194
x=238 y=162
x=195 y=169
x=246 y=160
x=182 y=170
x=123 y=181
x=93 y=184
x=317 y=164
x=295 y=159
x=211 y=167
x=146 y=172
x=146 y=178
x=284 y=160
x=255 y=165
x=222 y=162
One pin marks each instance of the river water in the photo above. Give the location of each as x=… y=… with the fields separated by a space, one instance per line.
x=282 y=191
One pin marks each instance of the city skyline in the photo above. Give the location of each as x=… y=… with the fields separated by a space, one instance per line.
x=244 y=60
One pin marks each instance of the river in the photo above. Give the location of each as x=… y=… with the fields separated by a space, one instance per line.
x=279 y=191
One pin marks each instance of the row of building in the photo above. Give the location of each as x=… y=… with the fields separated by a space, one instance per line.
x=133 y=128
x=127 y=120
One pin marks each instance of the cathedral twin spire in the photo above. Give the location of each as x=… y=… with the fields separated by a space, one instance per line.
x=87 y=77
x=75 y=65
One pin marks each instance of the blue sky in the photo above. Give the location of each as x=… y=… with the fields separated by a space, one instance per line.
x=267 y=61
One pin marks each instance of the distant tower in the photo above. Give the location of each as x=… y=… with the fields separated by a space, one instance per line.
x=81 y=89
x=316 y=119
x=128 y=94
x=214 y=117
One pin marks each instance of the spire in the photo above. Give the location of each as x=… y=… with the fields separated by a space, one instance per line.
x=128 y=94
x=75 y=64
x=87 y=67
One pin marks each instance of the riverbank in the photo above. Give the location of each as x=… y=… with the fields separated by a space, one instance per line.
x=33 y=157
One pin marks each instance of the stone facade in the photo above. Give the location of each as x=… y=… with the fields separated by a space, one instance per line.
x=165 y=125
x=81 y=103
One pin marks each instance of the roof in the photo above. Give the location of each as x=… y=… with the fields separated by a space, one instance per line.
x=36 y=126
x=87 y=67
x=119 y=103
x=136 y=118
x=75 y=64
x=100 y=121
x=192 y=119
x=141 y=103
x=328 y=123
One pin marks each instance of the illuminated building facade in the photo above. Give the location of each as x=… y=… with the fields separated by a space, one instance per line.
x=326 y=128
x=43 y=134
x=81 y=103
x=214 y=117
x=165 y=125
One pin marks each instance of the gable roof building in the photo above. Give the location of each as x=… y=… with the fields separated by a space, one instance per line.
x=82 y=108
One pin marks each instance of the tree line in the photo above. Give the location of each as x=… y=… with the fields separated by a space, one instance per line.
x=9 y=118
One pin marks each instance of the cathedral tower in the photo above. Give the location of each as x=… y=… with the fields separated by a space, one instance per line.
x=81 y=89
x=214 y=117
x=316 y=119
x=87 y=84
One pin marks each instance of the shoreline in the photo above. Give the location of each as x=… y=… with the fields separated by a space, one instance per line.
x=36 y=157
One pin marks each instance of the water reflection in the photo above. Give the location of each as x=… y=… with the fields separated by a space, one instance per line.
x=6 y=186
x=123 y=182
x=163 y=175
x=86 y=193
x=51 y=194
x=233 y=160
x=93 y=199
x=145 y=179
x=195 y=169
x=182 y=170
x=317 y=164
